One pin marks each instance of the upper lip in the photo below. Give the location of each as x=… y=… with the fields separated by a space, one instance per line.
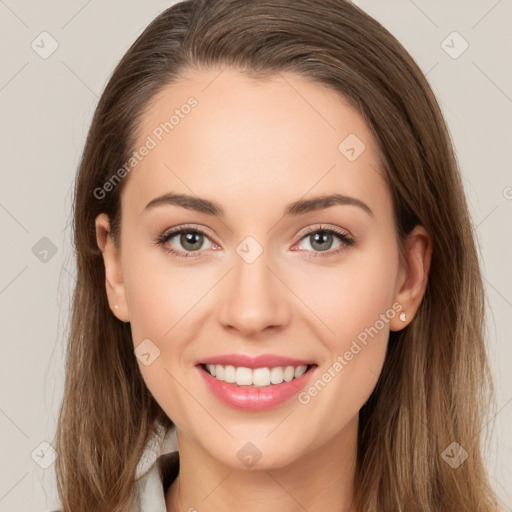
x=261 y=361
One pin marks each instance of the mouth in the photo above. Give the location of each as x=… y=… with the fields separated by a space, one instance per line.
x=264 y=377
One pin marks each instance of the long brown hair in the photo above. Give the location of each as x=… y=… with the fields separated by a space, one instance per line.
x=435 y=383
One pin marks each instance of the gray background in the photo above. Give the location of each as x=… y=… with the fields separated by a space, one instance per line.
x=46 y=106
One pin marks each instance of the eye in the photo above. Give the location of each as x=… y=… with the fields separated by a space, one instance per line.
x=190 y=238
x=321 y=241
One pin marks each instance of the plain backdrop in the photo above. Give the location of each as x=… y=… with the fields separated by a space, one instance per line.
x=56 y=57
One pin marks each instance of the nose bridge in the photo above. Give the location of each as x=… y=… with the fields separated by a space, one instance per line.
x=254 y=298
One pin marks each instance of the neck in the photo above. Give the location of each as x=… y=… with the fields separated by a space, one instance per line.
x=321 y=479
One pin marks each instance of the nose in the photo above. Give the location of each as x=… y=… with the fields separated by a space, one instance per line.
x=253 y=299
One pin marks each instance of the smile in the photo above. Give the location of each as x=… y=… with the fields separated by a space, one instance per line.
x=255 y=377
x=255 y=389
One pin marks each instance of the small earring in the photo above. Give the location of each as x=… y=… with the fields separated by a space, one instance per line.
x=402 y=316
x=116 y=306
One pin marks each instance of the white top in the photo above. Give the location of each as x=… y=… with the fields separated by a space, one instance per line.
x=149 y=492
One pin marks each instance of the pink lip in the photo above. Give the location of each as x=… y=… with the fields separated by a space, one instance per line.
x=261 y=361
x=253 y=398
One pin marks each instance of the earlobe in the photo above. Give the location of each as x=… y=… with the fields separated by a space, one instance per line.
x=414 y=276
x=113 y=272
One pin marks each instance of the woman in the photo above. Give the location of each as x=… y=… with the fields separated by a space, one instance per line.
x=277 y=276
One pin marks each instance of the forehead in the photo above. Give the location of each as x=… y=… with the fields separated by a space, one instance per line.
x=248 y=142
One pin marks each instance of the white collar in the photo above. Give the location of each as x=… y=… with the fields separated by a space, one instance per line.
x=161 y=442
x=149 y=493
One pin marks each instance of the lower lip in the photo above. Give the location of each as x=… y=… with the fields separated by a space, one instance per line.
x=254 y=399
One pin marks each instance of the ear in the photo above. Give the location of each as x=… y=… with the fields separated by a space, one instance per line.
x=413 y=275
x=113 y=274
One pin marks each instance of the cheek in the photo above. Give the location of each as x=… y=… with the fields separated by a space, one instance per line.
x=158 y=300
x=355 y=303
x=352 y=295
x=158 y=293
x=148 y=304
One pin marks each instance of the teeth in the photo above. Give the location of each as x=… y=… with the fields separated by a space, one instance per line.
x=244 y=376
x=258 y=377
x=229 y=374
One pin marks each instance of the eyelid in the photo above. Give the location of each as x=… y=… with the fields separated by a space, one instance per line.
x=187 y=228
x=323 y=227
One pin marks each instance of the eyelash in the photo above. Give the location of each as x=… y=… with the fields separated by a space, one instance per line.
x=345 y=239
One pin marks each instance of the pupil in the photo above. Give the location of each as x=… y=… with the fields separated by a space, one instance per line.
x=187 y=241
x=321 y=239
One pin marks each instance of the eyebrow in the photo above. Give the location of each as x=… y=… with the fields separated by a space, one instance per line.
x=296 y=208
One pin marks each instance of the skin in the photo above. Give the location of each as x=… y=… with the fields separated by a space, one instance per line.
x=255 y=147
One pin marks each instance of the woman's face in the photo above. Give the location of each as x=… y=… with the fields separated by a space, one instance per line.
x=270 y=272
